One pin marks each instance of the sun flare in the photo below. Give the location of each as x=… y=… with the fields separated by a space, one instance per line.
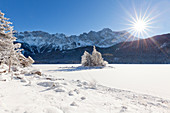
x=140 y=23
x=140 y=26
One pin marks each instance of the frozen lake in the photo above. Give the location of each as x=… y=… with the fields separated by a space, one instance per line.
x=70 y=88
x=146 y=79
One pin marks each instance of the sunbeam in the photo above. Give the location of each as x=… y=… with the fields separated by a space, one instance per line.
x=141 y=22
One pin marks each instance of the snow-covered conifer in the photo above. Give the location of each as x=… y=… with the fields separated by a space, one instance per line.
x=9 y=52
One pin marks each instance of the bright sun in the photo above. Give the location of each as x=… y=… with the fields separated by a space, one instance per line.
x=139 y=26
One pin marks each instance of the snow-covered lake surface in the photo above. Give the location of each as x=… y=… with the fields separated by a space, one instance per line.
x=70 y=88
x=146 y=79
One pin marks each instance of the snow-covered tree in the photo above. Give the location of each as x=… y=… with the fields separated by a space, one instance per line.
x=97 y=58
x=9 y=52
x=25 y=62
x=93 y=60
x=86 y=59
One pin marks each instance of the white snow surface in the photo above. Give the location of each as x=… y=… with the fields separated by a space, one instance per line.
x=70 y=88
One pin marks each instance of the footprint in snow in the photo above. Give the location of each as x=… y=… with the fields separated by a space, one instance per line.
x=70 y=93
x=83 y=98
x=123 y=109
x=77 y=91
x=73 y=104
x=60 y=90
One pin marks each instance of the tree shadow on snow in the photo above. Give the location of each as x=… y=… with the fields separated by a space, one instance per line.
x=79 y=68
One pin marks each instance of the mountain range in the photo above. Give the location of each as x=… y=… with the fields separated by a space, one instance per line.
x=116 y=47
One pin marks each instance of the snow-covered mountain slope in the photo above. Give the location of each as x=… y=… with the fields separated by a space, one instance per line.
x=41 y=40
x=153 y=50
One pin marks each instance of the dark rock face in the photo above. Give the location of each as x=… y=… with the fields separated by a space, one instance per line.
x=154 y=50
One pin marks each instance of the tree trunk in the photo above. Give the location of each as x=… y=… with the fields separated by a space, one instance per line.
x=9 y=65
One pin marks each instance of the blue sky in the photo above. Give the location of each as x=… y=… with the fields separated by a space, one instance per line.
x=78 y=16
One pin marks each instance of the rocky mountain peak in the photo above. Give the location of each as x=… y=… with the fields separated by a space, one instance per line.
x=41 y=40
